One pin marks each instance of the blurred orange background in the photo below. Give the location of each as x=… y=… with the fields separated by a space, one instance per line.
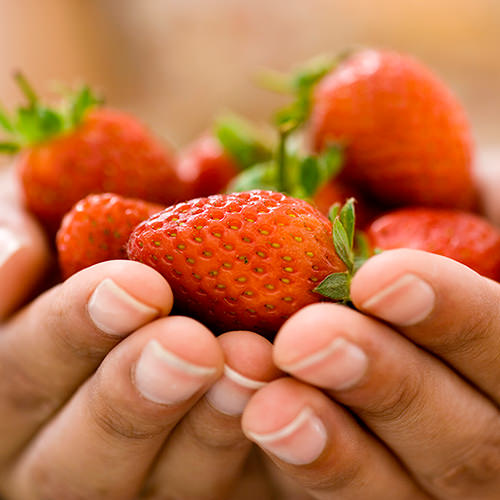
x=176 y=63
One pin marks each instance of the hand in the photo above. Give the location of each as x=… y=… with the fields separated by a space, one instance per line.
x=86 y=392
x=404 y=403
x=100 y=399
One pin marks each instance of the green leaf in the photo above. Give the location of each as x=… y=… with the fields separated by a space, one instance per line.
x=79 y=103
x=242 y=141
x=341 y=243
x=331 y=161
x=333 y=212
x=261 y=176
x=26 y=89
x=9 y=147
x=5 y=121
x=336 y=287
x=310 y=175
x=348 y=219
x=361 y=245
x=309 y=73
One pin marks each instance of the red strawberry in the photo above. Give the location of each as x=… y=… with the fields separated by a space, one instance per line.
x=462 y=236
x=205 y=167
x=407 y=138
x=208 y=164
x=68 y=154
x=97 y=229
x=336 y=191
x=239 y=261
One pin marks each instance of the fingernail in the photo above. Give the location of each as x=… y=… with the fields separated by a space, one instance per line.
x=300 y=442
x=230 y=394
x=405 y=302
x=340 y=365
x=163 y=377
x=116 y=312
x=9 y=245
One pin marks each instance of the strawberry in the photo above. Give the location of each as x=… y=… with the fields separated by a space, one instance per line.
x=82 y=149
x=462 y=236
x=241 y=261
x=336 y=191
x=205 y=167
x=407 y=140
x=97 y=229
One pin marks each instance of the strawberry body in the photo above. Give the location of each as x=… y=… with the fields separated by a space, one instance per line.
x=205 y=168
x=407 y=138
x=336 y=191
x=240 y=261
x=459 y=235
x=109 y=151
x=97 y=229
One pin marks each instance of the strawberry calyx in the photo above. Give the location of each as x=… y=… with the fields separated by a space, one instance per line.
x=290 y=170
x=351 y=246
x=242 y=141
x=34 y=122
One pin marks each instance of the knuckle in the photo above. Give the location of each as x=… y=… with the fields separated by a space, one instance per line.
x=475 y=472
x=401 y=400
x=212 y=436
x=79 y=341
x=45 y=482
x=117 y=421
x=24 y=393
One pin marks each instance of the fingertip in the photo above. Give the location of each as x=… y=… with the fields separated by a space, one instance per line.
x=249 y=354
x=138 y=280
x=24 y=258
x=307 y=331
x=248 y=367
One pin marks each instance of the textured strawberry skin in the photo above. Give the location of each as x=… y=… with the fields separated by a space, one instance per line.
x=461 y=236
x=109 y=152
x=205 y=168
x=407 y=138
x=240 y=261
x=97 y=229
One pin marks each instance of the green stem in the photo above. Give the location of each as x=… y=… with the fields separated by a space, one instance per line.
x=281 y=161
x=26 y=89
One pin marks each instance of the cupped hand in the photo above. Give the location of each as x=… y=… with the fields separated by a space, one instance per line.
x=399 y=399
x=101 y=395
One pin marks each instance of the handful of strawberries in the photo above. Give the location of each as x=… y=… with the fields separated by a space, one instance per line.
x=233 y=222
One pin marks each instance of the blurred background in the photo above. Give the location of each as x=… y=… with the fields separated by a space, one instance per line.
x=176 y=63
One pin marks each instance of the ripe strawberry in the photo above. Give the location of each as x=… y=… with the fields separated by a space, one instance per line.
x=336 y=191
x=97 y=228
x=462 y=236
x=407 y=138
x=208 y=164
x=205 y=167
x=68 y=154
x=239 y=261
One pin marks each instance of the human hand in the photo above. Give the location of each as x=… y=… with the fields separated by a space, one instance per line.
x=100 y=399
x=404 y=403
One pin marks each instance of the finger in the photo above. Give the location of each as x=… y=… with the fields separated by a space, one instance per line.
x=316 y=442
x=103 y=442
x=487 y=177
x=439 y=304
x=206 y=453
x=55 y=343
x=24 y=257
x=446 y=432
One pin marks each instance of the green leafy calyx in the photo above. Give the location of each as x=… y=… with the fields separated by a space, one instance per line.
x=34 y=122
x=351 y=247
x=242 y=140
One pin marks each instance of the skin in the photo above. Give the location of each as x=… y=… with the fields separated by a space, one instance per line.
x=422 y=421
